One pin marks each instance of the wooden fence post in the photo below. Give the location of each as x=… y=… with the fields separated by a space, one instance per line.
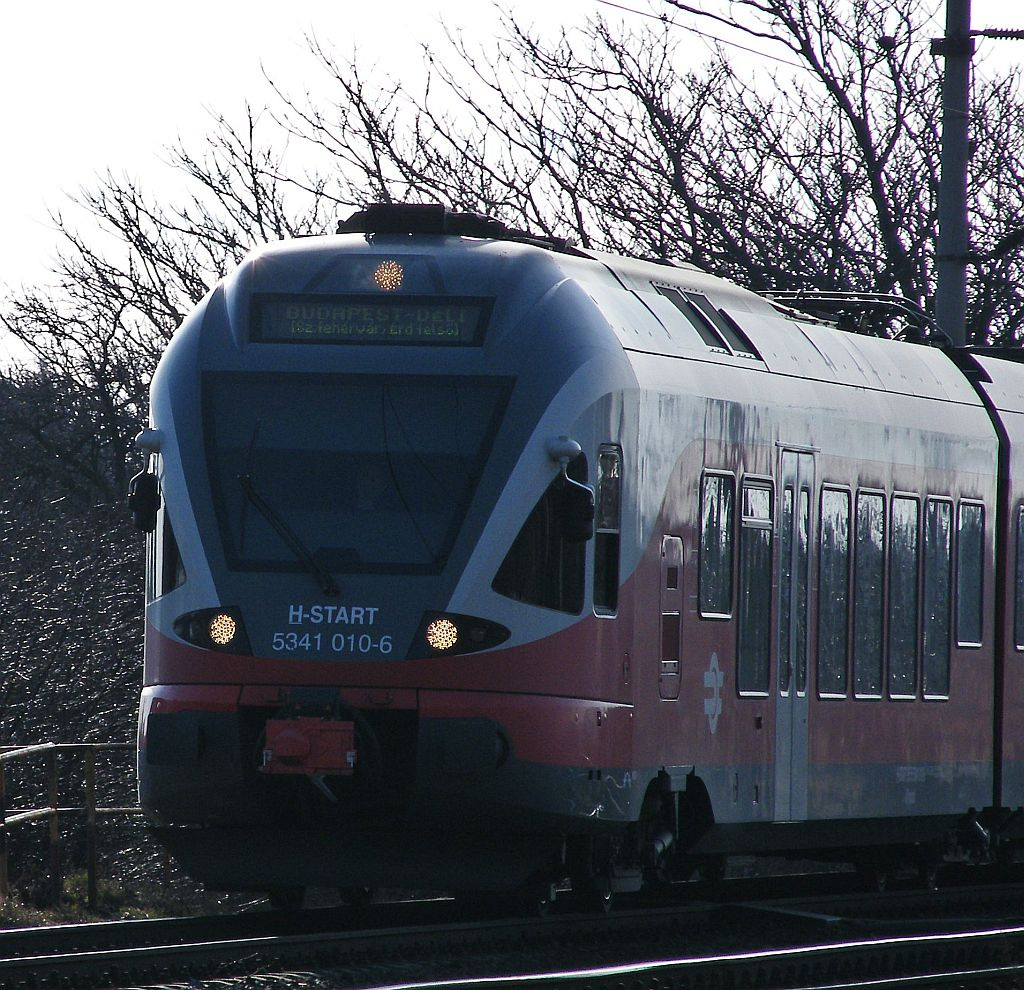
x=4 y=879
x=53 y=813
x=53 y=793
x=90 y=825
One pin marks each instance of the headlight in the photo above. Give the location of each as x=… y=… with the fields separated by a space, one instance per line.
x=442 y=634
x=222 y=629
x=214 y=629
x=446 y=634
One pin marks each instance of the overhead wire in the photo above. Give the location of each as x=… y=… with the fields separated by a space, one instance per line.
x=986 y=33
x=665 y=19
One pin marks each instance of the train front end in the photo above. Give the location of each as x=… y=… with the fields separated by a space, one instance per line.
x=371 y=655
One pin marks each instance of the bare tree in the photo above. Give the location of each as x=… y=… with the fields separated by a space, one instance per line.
x=125 y=285
x=820 y=171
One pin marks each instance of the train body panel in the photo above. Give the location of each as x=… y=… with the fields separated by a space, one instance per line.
x=786 y=626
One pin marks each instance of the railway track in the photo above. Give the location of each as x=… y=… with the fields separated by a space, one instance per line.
x=783 y=942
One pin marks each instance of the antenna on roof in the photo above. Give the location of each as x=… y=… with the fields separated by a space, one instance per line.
x=436 y=218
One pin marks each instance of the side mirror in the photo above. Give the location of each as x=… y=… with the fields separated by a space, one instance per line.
x=144 y=500
x=577 y=512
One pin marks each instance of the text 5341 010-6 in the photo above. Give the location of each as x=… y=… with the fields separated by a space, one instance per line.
x=351 y=644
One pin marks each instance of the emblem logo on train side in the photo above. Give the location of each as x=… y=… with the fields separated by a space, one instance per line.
x=714 y=678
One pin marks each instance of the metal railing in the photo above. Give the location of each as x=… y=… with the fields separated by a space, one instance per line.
x=53 y=811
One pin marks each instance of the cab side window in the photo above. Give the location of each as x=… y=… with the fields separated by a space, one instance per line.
x=542 y=567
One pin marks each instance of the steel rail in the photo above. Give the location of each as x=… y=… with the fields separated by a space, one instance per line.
x=358 y=957
x=865 y=963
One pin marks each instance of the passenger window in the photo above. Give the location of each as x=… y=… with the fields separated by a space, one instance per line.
x=542 y=567
x=607 y=528
x=869 y=565
x=755 y=598
x=715 y=569
x=936 y=606
x=970 y=548
x=1018 y=623
x=903 y=598
x=834 y=594
x=793 y=636
x=803 y=534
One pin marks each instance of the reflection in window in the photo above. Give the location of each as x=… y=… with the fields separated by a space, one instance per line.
x=785 y=590
x=755 y=598
x=793 y=592
x=935 y=627
x=542 y=567
x=868 y=578
x=970 y=543
x=371 y=474
x=802 y=553
x=903 y=599
x=607 y=525
x=834 y=593
x=716 y=501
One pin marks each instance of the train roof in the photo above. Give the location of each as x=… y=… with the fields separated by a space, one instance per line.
x=671 y=310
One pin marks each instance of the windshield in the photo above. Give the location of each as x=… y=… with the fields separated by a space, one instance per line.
x=367 y=473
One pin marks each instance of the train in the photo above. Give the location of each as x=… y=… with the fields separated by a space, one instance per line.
x=481 y=562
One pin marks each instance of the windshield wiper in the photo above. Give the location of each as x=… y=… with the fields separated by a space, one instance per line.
x=323 y=578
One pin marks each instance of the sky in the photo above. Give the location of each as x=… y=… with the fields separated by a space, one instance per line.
x=110 y=84
x=87 y=87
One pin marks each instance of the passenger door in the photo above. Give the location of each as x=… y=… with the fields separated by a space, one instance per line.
x=796 y=487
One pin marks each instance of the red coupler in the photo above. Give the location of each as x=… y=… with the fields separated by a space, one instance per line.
x=310 y=746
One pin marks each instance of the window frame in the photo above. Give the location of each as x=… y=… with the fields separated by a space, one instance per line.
x=917 y=501
x=848 y=491
x=925 y=584
x=857 y=597
x=717 y=616
x=607 y=611
x=1018 y=576
x=542 y=520
x=745 y=522
x=957 y=640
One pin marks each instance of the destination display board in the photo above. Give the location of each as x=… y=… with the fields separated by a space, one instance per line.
x=320 y=319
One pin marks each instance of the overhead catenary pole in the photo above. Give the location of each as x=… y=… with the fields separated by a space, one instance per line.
x=951 y=250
